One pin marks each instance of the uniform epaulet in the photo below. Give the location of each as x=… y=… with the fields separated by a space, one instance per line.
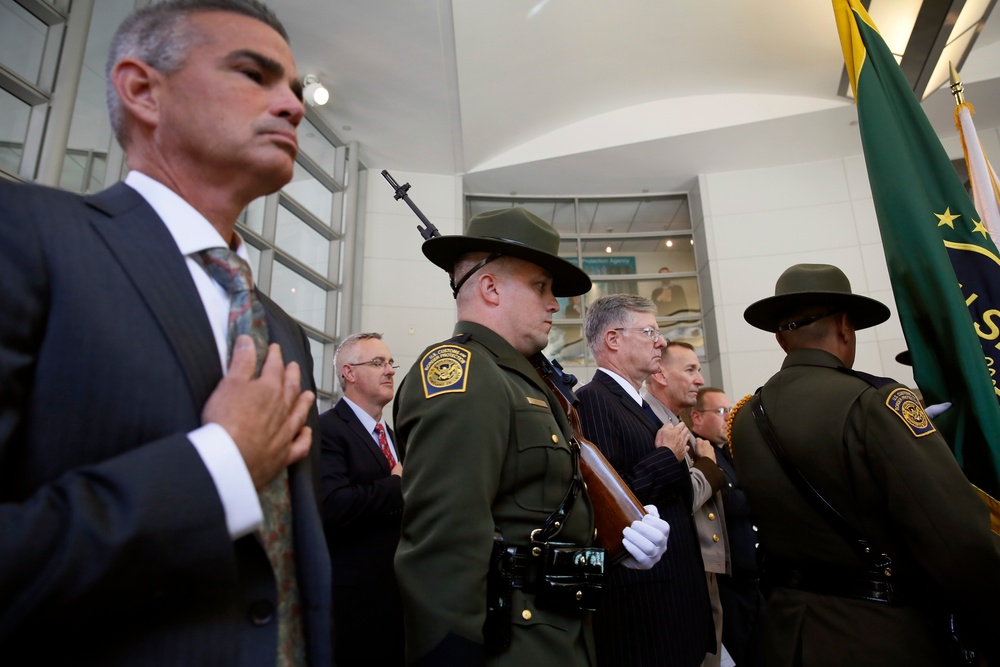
x=444 y=369
x=873 y=380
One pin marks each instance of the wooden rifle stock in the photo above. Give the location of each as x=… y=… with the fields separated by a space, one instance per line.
x=615 y=506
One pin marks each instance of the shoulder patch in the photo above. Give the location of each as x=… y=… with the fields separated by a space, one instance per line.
x=905 y=404
x=444 y=370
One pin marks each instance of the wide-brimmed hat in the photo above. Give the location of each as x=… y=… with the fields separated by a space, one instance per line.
x=805 y=285
x=512 y=232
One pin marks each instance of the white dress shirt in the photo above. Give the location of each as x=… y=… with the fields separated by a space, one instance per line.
x=193 y=233
x=369 y=423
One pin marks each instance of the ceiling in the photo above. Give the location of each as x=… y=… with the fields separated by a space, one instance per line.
x=590 y=97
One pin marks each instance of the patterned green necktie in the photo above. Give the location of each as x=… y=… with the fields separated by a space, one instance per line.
x=247 y=316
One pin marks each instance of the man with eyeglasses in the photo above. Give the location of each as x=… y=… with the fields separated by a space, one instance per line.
x=660 y=616
x=739 y=590
x=362 y=505
x=671 y=391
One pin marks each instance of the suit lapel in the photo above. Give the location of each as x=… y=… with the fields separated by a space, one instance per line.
x=365 y=438
x=148 y=254
x=627 y=401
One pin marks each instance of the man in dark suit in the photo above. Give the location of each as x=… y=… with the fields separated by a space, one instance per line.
x=739 y=591
x=660 y=616
x=671 y=391
x=156 y=503
x=360 y=473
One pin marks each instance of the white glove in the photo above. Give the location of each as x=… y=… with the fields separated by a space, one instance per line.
x=646 y=540
x=936 y=409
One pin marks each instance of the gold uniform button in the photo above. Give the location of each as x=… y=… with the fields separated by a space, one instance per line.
x=711 y=516
x=526 y=614
x=715 y=538
x=555 y=438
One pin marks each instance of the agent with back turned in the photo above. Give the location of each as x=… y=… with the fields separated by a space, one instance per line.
x=488 y=458
x=871 y=582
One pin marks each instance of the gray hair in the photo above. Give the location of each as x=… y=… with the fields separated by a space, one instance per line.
x=609 y=312
x=346 y=346
x=161 y=36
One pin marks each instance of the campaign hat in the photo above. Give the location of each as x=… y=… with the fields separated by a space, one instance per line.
x=511 y=232
x=805 y=285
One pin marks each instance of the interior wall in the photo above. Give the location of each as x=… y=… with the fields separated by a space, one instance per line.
x=759 y=222
x=403 y=295
x=749 y=226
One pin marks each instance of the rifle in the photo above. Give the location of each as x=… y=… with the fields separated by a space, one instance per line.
x=615 y=506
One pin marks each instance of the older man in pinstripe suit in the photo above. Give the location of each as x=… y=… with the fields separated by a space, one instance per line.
x=659 y=616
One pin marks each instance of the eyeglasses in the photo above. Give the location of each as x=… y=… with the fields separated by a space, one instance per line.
x=652 y=333
x=377 y=362
x=719 y=411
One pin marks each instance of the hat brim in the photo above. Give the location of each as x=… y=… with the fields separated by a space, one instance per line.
x=567 y=278
x=768 y=313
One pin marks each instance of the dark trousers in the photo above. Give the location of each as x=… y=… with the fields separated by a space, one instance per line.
x=742 y=614
x=368 y=625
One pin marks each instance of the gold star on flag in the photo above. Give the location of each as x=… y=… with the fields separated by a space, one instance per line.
x=978 y=227
x=947 y=218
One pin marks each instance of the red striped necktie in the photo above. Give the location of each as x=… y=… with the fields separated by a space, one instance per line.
x=383 y=442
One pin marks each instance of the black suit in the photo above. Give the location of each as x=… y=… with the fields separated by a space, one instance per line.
x=659 y=616
x=362 y=510
x=113 y=539
x=742 y=602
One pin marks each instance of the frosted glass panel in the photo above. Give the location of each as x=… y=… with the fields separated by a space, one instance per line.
x=302 y=242
x=301 y=298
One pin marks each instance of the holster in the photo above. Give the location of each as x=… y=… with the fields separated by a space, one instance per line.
x=499 y=589
x=560 y=575
x=569 y=578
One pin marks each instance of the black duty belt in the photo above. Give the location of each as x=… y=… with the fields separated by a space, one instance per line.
x=562 y=576
x=871 y=586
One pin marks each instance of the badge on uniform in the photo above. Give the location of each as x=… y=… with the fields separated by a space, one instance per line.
x=445 y=370
x=906 y=405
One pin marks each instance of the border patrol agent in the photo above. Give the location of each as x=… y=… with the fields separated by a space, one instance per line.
x=488 y=456
x=868 y=448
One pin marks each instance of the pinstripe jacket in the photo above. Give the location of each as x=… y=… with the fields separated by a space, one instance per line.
x=659 y=616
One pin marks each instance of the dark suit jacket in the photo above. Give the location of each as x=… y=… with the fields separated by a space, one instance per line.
x=739 y=521
x=659 y=616
x=112 y=534
x=362 y=511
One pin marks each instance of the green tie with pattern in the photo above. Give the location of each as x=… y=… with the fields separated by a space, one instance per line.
x=247 y=316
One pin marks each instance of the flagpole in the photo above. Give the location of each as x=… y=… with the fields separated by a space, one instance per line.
x=956 y=86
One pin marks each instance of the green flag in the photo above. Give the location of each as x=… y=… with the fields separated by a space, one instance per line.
x=944 y=268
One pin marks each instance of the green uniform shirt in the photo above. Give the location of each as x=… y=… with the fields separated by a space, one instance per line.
x=866 y=446
x=482 y=448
